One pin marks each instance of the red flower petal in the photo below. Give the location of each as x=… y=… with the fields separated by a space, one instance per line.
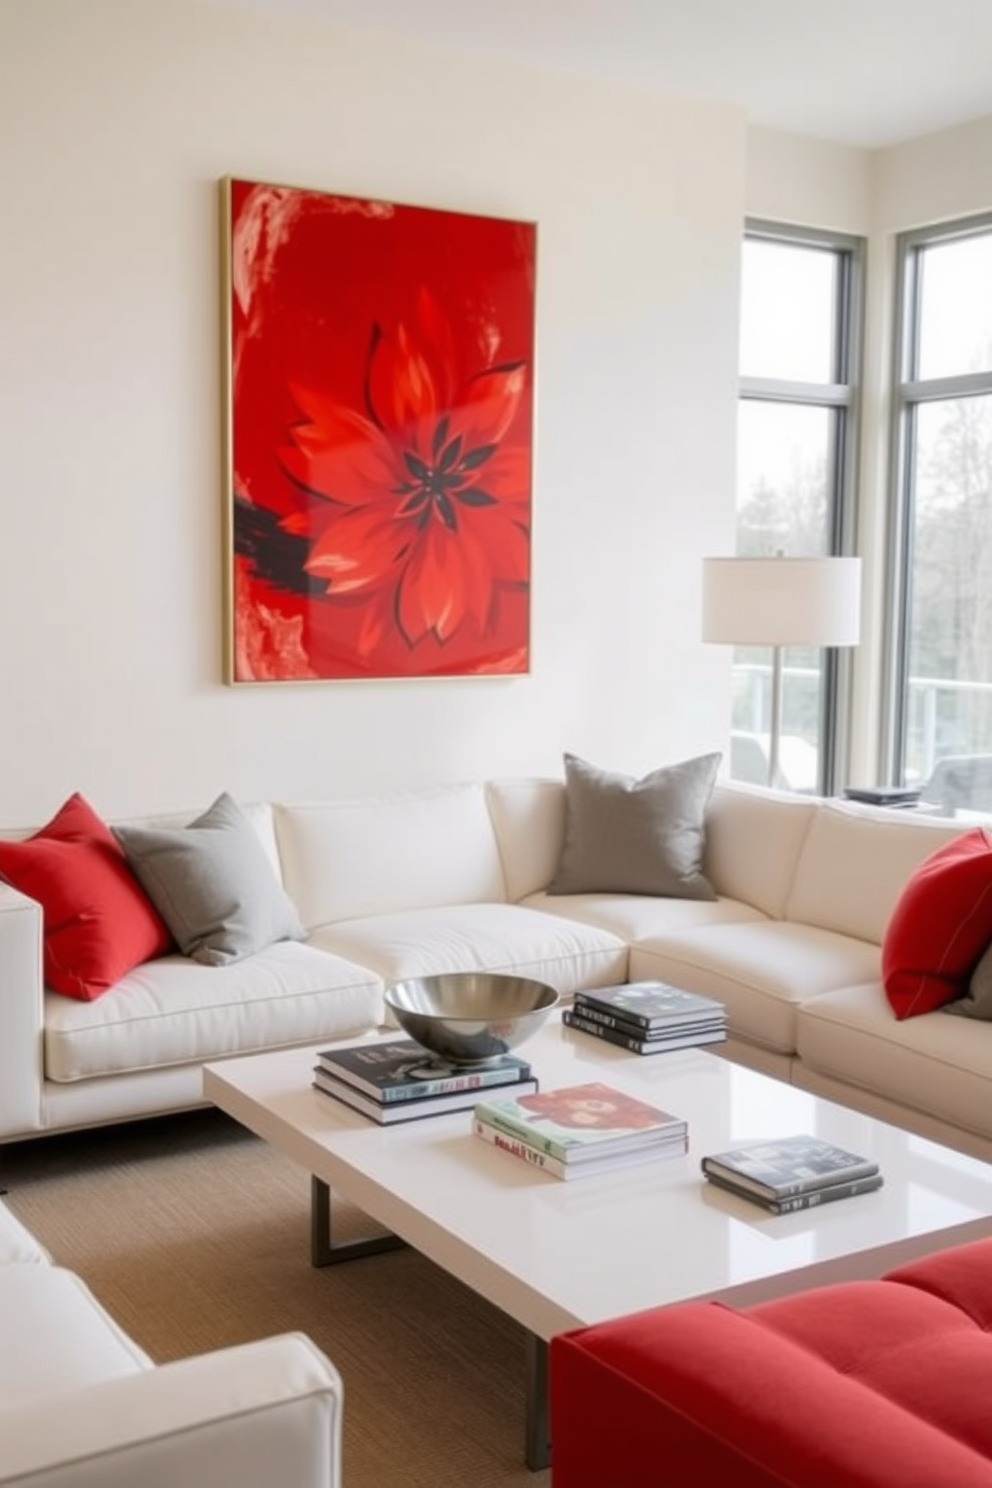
x=433 y=593
x=361 y=549
x=402 y=385
x=485 y=407
x=337 y=453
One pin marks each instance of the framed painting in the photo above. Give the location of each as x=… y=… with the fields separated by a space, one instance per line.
x=379 y=366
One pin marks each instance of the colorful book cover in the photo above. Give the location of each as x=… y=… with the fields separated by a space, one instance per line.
x=579 y=1121
x=400 y=1069
x=779 y=1168
x=650 y=1004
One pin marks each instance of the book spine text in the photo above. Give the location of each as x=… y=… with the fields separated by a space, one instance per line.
x=518 y=1148
x=611 y=1033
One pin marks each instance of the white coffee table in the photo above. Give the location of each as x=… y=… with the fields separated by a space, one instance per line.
x=558 y=1255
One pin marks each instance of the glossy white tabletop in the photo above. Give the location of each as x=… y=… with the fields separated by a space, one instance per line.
x=557 y=1254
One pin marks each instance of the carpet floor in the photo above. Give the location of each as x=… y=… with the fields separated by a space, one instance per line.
x=195 y=1235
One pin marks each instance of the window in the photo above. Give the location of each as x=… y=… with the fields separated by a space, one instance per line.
x=799 y=359
x=940 y=730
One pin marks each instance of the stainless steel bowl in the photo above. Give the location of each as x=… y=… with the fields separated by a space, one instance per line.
x=468 y=1017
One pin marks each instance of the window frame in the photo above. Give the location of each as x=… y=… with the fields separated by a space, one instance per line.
x=841 y=396
x=909 y=393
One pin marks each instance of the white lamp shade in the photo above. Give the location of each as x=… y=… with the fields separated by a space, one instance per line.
x=782 y=601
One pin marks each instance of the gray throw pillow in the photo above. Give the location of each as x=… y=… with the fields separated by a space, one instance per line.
x=213 y=884
x=977 y=1001
x=627 y=836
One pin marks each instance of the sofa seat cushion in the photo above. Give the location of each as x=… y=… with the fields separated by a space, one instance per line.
x=641 y=916
x=761 y=971
x=711 y=1395
x=920 y=1351
x=54 y=1336
x=958 y=1273
x=174 y=1011
x=481 y=937
x=932 y=1064
x=18 y=1247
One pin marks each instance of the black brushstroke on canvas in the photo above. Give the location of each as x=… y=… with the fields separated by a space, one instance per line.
x=276 y=556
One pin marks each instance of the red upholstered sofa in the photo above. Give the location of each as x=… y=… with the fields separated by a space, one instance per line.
x=879 y=1384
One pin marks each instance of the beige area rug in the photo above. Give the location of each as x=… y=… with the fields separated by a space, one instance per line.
x=195 y=1235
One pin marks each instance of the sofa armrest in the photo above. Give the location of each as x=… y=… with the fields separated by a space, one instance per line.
x=708 y=1395
x=256 y=1414
x=21 y=1014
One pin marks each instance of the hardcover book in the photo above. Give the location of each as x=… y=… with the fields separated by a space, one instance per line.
x=606 y=1162
x=781 y=1168
x=656 y=1044
x=650 y=1004
x=389 y=1112
x=400 y=1069
x=677 y=1027
x=810 y=1200
x=577 y=1122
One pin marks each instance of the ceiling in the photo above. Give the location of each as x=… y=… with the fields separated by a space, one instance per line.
x=862 y=72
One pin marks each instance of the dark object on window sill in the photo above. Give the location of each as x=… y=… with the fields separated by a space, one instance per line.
x=883 y=795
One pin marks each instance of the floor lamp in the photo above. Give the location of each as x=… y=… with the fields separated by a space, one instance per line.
x=781 y=602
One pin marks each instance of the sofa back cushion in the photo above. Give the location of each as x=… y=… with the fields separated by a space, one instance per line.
x=345 y=860
x=753 y=841
x=855 y=863
x=258 y=813
x=528 y=816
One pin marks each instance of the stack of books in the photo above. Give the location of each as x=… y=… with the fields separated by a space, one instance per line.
x=648 y=1017
x=792 y=1173
x=579 y=1130
x=398 y=1080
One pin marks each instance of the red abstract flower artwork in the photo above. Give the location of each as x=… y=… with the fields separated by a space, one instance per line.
x=380 y=429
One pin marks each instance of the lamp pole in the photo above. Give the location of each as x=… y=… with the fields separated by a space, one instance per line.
x=775 y=728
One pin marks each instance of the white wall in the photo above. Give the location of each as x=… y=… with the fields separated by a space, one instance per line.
x=808 y=182
x=117 y=118
x=934 y=179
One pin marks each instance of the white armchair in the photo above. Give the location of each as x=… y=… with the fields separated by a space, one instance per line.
x=82 y=1406
x=255 y=1415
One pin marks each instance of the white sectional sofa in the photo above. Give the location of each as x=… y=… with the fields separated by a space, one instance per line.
x=81 y=1406
x=457 y=877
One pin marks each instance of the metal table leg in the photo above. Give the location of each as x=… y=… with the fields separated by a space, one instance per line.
x=324 y=1251
x=538 y=1432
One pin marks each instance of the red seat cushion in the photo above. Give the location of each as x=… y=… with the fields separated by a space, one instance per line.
x=98 y=921
x=941 y=924
x=908 y=1345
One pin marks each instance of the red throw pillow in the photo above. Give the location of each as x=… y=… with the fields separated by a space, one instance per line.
x=98 y=921
x=940 y=926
